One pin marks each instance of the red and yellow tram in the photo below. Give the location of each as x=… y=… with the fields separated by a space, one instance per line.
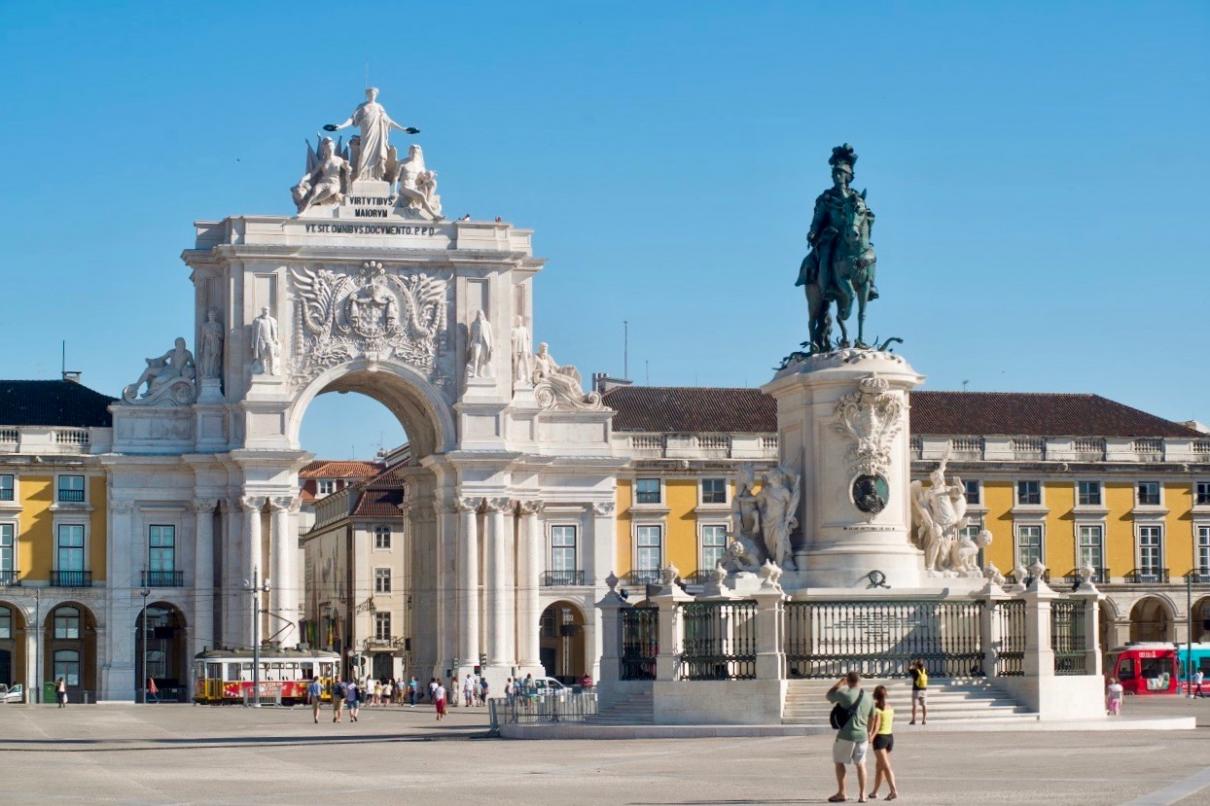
x=225 y=675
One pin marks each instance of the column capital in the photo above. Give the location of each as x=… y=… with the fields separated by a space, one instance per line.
x=468 y=503
x=603 y=508
x=529 y=507
x=121 y=507
x=203 y=505
x=290 y=503
x=252 y=503
x=497 y=504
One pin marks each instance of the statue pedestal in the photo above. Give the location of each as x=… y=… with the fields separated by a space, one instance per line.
x=842 y=421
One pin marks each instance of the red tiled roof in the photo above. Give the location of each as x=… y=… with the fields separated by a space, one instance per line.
x=672 y=409
x=381 y=496
x=340 y=469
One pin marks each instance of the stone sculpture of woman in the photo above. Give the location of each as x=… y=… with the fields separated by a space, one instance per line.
x=375 y=125
x=418 y=185
x=210 y=364
x=778 y=500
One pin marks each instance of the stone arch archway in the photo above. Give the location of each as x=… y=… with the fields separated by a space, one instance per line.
x=12 y=647
x=562 y=641
x=1151 y=619
x=1201 y=620
x=163 y=631
x=70 y=649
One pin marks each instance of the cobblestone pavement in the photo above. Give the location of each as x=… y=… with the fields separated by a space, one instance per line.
x=189 y=754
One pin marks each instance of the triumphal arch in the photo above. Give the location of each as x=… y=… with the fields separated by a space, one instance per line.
x=366 y=288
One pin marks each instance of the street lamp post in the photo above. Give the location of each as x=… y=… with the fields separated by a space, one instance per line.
x=255 y=589
x=145 y=592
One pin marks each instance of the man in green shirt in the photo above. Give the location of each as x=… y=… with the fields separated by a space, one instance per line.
x=852 y=738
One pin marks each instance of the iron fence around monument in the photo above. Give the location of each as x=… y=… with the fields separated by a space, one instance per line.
x=881 y=639
x=640 y=643
x=719 y=641
x=1067 y=636
x=1010 y=654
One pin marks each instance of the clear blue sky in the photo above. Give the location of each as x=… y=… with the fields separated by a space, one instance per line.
x=1039 y=173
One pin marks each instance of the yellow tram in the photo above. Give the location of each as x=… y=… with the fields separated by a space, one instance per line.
x=225 y=675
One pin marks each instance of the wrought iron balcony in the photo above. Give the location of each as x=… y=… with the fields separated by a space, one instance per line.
x=556 y=578
x=10 y=578
x=644 y=577
x=71 y=579
x=1100 y=576
x=1144 y=575
x=163 y=579
x=1198 y=577
x=71 y=496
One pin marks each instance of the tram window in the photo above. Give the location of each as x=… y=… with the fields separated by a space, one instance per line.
x=1126 y=669
x=308 y=670
x=325 y=669
x=1155 y=667
x=214 y=671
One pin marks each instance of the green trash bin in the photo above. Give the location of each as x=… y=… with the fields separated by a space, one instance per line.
x=48 y=691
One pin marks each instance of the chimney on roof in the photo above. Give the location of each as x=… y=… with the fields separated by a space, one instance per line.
x=72 y=375
x=602 y=383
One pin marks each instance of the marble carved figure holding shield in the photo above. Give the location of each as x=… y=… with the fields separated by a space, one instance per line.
x=265 y=347
x=373 y=149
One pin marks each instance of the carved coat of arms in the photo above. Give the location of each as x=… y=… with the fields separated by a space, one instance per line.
x=871 y=417
x=376 y=314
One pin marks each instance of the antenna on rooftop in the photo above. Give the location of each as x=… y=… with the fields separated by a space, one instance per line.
x=647 y=371
x=66 y=374
x=626 y=349
x=965 y=384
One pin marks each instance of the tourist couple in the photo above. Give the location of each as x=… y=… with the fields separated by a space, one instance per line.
x=861 y=721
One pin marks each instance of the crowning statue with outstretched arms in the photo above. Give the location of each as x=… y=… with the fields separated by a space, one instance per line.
x=375 y=125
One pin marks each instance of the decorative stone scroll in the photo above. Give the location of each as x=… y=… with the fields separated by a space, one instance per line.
x=378 y=313
x=169 y=378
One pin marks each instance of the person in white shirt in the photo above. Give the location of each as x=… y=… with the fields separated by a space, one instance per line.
x=439 y=701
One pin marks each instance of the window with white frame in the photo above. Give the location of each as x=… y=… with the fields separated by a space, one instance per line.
x=1151 y=550
x=974 y=494
x=714 y=491
x=69 y=549
x=714 y=545
x=1029 y=544
x=974 y=525
x=325 y=487
x=6 y=623
x=161 y=548
x=649 y=541
x=563 y=550
x=67 y=624
x=1029 y=493
x=67 y=666
x=1203 y=551
x=382 y=626
x=7 y=481
x=1090 y=549
x=647 y=491
x=1201 y=494
x=8 y=551
x=1148 y=494
x=382 y=537
x=1088 y=494
x=71 y=489
x=382 y=580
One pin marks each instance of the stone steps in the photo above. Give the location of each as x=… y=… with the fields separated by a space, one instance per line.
x=634 y=710
x=961 y=701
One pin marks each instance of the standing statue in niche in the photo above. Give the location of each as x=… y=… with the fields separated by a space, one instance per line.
x=210 y=364
x=479 y=348
x=326 y=180
x=523 y=353
x=374 y=144
x=839 y=268
x=265 y=347
x=778 y=501
x=169 y=378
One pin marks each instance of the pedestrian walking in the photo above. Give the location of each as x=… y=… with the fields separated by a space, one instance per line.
x=508 y=691
x=153 y=693
x=387 y=691
x=454 y=687
x=314 y=697
x=338 y=699
x=439 y=701
x=353 y=695
x=851 y=718
x=413 y=684
x=882 y=742
x=1198 y=677
x=1113 y=697
x=468 y=690
x=377 y=694
x=920 y=686
x=483 y=691
x=61 y=692
x=433 y=689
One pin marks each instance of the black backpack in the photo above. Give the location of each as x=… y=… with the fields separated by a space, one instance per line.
x=840 y=715
x=339 y=691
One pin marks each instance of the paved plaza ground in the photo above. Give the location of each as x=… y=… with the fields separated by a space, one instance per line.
x=192 y=754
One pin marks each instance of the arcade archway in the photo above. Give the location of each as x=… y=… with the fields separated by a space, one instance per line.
x=162 y=630
x=12 y=647
x=1150 y=620
x=71 y=650
x=561 y=643
x=1201 y=620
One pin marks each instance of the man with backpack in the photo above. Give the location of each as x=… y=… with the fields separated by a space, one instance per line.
x=920 y=686
x=850 y=717
x=338 y=699
x=314 y=690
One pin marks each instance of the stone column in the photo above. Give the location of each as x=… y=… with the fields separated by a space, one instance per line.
x=447 y=591
x=669 y=600
x=1091 y=597
x=1039 y=652
x=283 y=545
x=251 y=557
x=989 y=627
x=116 y=649
x=770 y=644
x=509 y=573
x=468 y=585
x=202 y=623
x=494 y=583
x=231 y=601
x=611 y=607
x=529 y=609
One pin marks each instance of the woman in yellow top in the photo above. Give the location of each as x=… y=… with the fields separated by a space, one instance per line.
x=883 y=741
